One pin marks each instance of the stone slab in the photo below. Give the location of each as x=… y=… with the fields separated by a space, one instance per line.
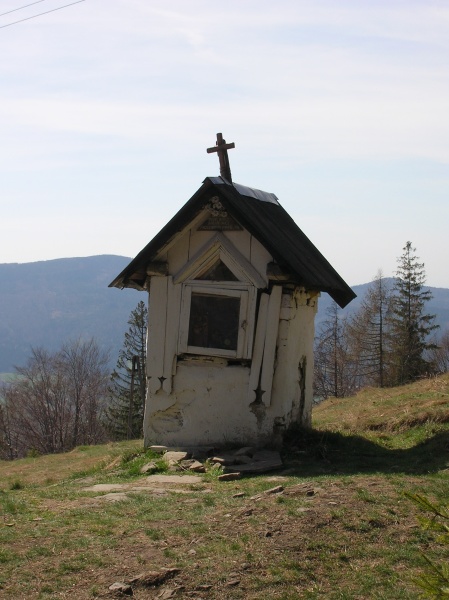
x=174 y=479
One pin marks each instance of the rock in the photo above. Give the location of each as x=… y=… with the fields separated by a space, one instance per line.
x=113 y=497
x=302 y=489
x=158 y=449
x=204 y=587
x=262 y=462
x=105 y=487
x=154 y=578
x=197 y=467
x=122 y=588
x=149 y=468
x=232 y=582
x=167 y=594
x=173 y=457
x=175 y=479
x=267 y=455
x=247 y=451
x=256 y=497
x=225 y=459
x=275 y=490
x=200 y=452
x=243 y=460
x=229 y=477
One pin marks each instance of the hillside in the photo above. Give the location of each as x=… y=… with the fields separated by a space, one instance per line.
x=438 y=305
x=334 y=523
x=49 y=302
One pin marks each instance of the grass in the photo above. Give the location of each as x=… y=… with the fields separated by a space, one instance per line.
x=6 y=377
x=341 y=529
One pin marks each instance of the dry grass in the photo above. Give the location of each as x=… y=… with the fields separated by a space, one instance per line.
x=387 y=409
x=340 y=529
x=58 y=467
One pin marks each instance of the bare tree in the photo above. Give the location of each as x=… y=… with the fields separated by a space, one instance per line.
x=8 y=433
x=56 y=402
x=335 y=369
x=38 y=401
x=367 y=330
x=84 y=367
x=438 y=355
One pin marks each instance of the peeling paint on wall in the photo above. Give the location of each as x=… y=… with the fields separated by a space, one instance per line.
x=169 y=420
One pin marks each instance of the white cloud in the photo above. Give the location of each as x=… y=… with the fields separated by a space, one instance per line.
x=101 y=101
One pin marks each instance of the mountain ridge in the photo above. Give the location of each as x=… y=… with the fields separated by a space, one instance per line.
x=47 y=303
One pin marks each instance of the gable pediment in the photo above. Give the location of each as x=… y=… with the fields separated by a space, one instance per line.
x=218 y=256
x=258 y=213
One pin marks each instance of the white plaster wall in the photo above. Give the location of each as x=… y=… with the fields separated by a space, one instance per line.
x=206 y=401
x=208 y=405
x=188 y=242
x=209 y=401
x=291 y=394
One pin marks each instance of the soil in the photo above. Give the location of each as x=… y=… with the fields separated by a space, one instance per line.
x=314 y=528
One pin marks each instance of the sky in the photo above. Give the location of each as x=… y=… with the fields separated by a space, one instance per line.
x=340 y=108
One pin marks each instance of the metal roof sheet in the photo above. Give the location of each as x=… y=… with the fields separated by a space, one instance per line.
x=244 y=190
x=262 y=215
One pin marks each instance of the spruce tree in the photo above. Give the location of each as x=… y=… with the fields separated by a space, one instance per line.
x=124 y=416
x=410 y=325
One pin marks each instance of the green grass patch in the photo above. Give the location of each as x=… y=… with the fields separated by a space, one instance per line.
x=342 y=528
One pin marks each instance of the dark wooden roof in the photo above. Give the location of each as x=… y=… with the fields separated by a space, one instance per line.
x=262 y=215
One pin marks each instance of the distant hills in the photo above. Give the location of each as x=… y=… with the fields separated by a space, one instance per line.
x=438 y=305
x=47 y=303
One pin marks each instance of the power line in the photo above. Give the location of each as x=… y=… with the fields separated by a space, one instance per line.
x=40 y=14
x=21 y=8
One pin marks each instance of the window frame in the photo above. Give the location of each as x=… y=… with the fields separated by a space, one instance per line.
x=245 y=292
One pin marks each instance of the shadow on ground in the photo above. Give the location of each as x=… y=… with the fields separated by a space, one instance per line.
x=314 y=452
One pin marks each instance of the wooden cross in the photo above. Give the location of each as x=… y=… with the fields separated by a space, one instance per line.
x=221 y=148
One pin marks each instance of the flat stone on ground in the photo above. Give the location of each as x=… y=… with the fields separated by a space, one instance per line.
x=113 y=497
x=173 y=457
x=229 y=477
x=145 y=484
x=262 y=462
x=247 y=451
x=176 y=479
x=105 y=487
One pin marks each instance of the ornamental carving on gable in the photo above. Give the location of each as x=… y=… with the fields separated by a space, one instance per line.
x=215 y=207
x=219 y=220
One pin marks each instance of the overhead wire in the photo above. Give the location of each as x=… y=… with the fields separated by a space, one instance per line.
x=21 y=8
x=40 y=14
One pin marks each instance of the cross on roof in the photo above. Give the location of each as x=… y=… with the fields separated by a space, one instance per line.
x=221 y=148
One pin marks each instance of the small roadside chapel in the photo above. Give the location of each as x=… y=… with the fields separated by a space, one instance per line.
x=233 y=289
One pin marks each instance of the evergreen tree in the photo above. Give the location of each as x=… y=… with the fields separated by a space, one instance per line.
x=410 y=325
x=368 y=334
x=124 y=416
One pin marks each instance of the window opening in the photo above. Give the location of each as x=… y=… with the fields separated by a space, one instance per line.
x=218 y=272
x=214 y=321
